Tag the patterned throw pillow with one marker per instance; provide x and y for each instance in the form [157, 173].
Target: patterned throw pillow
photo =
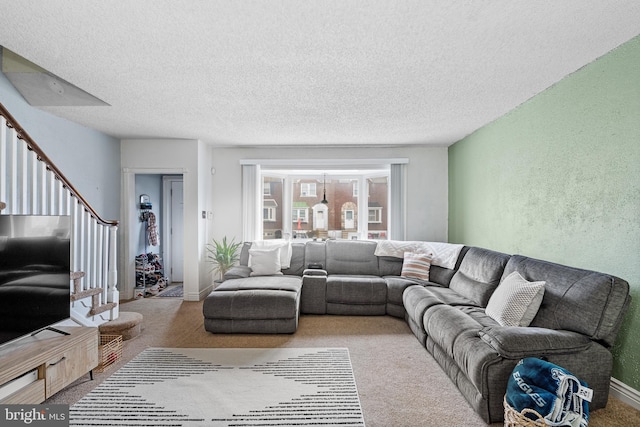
[416, 266]
[516, 301]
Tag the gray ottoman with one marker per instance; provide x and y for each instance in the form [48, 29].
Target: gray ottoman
[254, 305]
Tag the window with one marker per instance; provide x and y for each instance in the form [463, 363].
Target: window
[295, 208]
[308, 189]
[299, 211]
[375, 214]
[269, 210]
[266, 189]
[300, 214]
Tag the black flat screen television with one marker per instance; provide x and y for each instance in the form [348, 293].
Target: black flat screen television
[35, 286]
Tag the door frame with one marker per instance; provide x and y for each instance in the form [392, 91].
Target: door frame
[129, 215]
[350, 226]
[317, 208]
[168, 219]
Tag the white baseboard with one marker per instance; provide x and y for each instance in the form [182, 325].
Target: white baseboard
[623, 392]
[199, 296]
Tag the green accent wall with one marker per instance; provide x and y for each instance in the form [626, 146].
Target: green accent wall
[558, 178]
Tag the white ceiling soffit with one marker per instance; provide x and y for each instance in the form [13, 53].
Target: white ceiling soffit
[41, 88]
[326, 72]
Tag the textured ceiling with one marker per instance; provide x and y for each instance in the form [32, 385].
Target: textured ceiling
[340, 72]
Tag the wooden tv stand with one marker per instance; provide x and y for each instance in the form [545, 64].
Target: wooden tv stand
[58, 359]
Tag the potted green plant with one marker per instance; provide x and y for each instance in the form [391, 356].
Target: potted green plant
[223, 255]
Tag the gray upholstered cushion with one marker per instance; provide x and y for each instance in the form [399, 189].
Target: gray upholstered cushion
[389, 266]
[314, 253]
[360, 290]
[479, 315]
[517, 342]
[479, 274]
[357, 309]
[244, 253]
[313, 299]
[577, 300]
[456, 334]
[416, 300]
[297, 265]
[450, 297]
[251, 326]
[237, 272]
[282, 283]
[351, 257]
[443, 276]
[252, 304]
[396, 286]
[266, 304]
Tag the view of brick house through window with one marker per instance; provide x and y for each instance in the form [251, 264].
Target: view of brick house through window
[291, 205]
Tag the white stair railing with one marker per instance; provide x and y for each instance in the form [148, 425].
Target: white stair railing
[31, 184]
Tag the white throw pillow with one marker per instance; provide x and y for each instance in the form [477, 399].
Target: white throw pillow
[516, 301]
[285, 249]
[264, 262]
[416, 266]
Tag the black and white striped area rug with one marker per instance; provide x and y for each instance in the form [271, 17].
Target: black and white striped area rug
[226, 387]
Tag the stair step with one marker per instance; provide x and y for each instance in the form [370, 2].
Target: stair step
[75, 275]
[102, 308]
[86, 293]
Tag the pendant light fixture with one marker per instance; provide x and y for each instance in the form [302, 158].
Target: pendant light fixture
[324, 200]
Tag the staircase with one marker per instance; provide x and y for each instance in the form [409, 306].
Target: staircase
[30, 184]
[78, 294]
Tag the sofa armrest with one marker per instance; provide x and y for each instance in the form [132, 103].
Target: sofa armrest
[314, 293]
[515, 342]
[314, 272]
[238, 272]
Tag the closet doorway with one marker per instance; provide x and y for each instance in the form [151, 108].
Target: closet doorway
[159, 254]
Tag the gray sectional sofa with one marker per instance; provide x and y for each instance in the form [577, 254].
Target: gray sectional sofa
[575, 326]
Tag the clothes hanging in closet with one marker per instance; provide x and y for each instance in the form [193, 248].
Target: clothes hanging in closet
[152, 230]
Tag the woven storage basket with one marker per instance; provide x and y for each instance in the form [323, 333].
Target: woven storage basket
[109, 351]
[513, 418]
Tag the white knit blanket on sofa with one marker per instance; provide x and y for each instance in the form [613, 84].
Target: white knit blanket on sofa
[443, 254]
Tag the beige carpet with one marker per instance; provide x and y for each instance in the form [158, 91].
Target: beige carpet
[399, 383]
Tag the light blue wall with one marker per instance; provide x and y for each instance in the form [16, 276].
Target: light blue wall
[90, 160]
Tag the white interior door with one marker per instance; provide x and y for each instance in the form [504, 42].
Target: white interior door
[173, 227]
[177, 231]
